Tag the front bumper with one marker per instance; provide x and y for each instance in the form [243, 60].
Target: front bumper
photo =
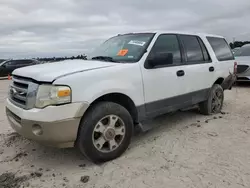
[55, 126]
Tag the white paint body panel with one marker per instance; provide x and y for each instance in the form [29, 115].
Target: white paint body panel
[90, 85]
[243, 60]
[49, 72]
[90, 80]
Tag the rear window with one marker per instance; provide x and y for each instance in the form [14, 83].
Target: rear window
[221, 48]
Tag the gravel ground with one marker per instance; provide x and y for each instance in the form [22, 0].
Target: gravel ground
[185, 150]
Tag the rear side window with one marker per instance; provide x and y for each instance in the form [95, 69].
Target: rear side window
[24, 62]
[27, 62]
[192, 47]
[221, 48]
[10, 63]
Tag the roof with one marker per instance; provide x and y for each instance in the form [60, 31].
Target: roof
[179, 32]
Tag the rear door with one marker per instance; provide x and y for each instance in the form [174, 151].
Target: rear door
[199, 69]
[223, 56]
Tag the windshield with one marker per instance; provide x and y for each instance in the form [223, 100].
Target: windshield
[243, 51]
[124, 48]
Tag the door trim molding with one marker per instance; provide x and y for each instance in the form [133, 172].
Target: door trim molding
[164, 106]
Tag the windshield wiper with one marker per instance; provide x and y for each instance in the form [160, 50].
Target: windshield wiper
[104, 58]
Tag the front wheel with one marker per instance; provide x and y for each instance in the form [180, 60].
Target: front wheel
[105, 132]
[214, 103]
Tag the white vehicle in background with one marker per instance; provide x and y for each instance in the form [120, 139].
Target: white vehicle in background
[242, 57]
[95, 104]
[235, 50]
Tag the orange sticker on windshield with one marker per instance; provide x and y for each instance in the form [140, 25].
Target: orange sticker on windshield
[122, 52]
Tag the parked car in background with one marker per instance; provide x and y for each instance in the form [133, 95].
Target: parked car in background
[2, 60]
[7, 67]
[235, 50]
[242, 57]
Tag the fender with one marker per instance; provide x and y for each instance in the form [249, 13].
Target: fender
[94, 91]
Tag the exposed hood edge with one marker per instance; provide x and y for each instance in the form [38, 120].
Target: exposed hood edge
[61, 76]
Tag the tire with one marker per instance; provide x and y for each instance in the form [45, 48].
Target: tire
[207, 107]
[90, 133]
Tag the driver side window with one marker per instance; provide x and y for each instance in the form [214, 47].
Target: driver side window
[167, 44]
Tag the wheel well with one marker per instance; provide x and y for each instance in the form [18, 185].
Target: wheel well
[121, 99]
[219, 81]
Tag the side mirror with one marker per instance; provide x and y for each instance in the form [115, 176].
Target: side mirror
[160, 59]
[3, 66]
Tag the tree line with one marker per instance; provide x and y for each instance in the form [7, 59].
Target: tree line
[238, 44]
[51, 59]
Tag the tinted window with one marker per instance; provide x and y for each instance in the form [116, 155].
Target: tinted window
[10, 63]
[204, 50]
[168, 44]
[243, 51]
[221, 48]
[192, 48]
[23, 62]
[26, 62]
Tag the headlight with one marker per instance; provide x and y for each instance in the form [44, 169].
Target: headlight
[52, 95]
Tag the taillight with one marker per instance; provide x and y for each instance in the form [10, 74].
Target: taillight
[235, 67]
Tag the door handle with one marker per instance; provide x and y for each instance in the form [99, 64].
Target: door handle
[180, 73]
[211, 69]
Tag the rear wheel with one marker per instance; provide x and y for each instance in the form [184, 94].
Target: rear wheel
[214, 103]
[105, 132]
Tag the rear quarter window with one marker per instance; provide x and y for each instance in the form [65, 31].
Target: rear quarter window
[221, 48]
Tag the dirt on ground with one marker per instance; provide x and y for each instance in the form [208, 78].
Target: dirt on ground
[184, 150]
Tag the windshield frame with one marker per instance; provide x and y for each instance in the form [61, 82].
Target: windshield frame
[128, 60]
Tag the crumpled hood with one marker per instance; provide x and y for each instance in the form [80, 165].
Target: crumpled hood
[49, 72]
[243, 60]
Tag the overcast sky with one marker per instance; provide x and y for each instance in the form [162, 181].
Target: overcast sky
[38, 28]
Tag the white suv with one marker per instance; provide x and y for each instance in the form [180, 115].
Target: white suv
[95, 104]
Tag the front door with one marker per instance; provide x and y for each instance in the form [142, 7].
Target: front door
[164, 85]
[5, 69]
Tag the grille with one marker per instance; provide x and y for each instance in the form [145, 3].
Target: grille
[242, 68]
[22, 92]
